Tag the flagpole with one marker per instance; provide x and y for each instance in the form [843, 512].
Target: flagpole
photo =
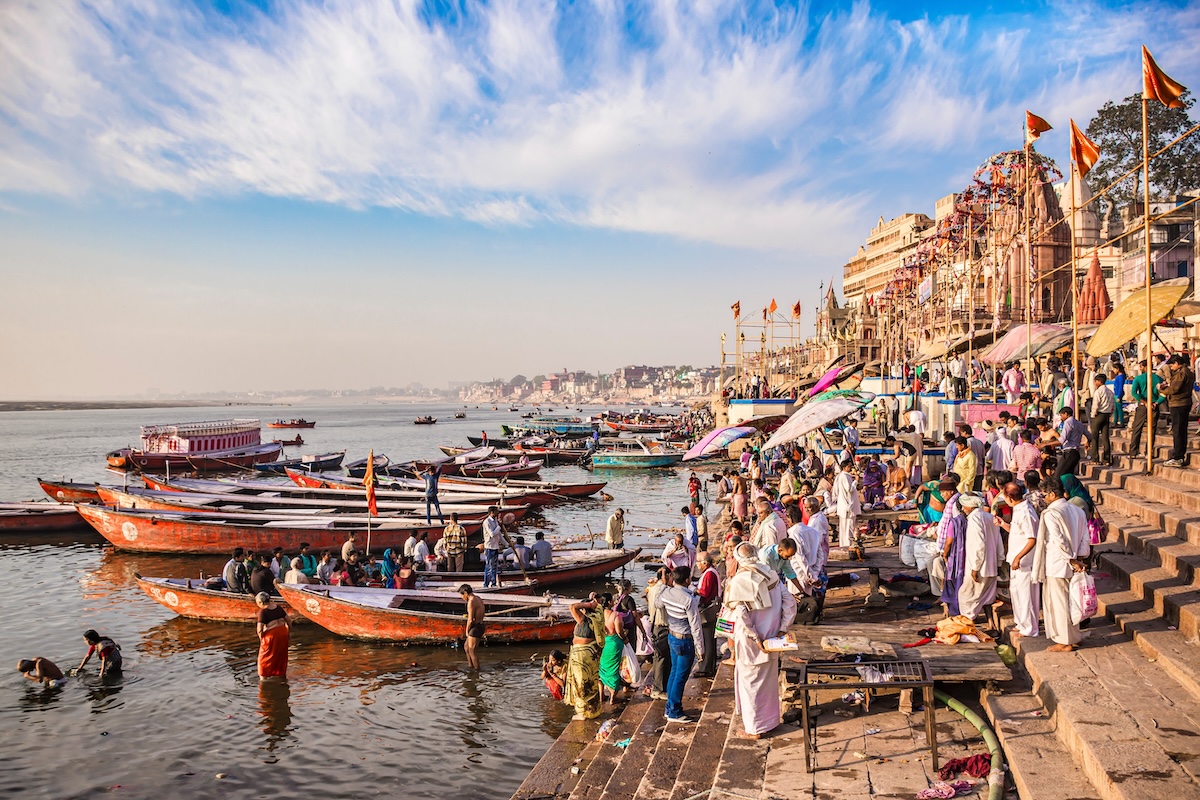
[1027, 268]
[1149, 271]
[1074, 287]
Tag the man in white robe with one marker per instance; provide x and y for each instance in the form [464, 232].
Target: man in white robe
[1023, 591]
[755, 602]
[984, 550]
[771, 529]
[845, 496]
[820, 523]
[1062, 547]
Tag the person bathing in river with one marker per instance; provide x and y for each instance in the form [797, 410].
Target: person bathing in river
[108, 650]
[474, 628]
[41, 670]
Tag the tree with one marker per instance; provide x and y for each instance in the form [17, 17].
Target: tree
[519, 380]
[1117, 130]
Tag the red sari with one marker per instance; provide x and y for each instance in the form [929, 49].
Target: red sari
[273, 646]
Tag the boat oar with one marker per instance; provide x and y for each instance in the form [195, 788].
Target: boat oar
[513, 547]
[591, 537]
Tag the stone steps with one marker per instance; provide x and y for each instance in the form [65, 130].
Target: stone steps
[552, 776]
[1132, 728]
[600, 760]
[704, 754]
[632, 762]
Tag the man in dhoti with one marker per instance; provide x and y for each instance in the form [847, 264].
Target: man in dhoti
[1061, 551]
[754, 602]
[1024, 593]
[771, 529]
[984, 551]
[845, 497]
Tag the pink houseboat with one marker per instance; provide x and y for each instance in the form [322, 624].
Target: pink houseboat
[198, 446]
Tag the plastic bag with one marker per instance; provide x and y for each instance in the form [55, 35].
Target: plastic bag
[631, 670]
[923, 553]
[907, 557]
[1084, 603]
[645, 645]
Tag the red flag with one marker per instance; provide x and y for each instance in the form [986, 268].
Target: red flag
[773, 307]
[737, 309]
[796, 310]
[369, 483]
[1035, 126]
[1084, 151]
[1157, 85]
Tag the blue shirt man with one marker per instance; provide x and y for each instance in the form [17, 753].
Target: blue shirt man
[691, 529]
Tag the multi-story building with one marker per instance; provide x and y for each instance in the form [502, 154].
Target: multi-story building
[884, 251]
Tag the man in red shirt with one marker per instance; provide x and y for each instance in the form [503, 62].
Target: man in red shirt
[709, 590]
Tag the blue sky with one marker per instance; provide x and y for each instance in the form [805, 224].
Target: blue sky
[280, 194]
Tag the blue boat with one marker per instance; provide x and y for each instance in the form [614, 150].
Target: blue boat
[635, 453]
[563, 426]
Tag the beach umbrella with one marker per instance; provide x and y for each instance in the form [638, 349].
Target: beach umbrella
[1128, 319]
[834, 376]
[822, 410]
[718, 440]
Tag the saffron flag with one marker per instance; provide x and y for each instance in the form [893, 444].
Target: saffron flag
[369, 483]
[1084, 151]
[796, 310]
[773, 307]
[1157, 85]
[1035, 126]
[737, 309]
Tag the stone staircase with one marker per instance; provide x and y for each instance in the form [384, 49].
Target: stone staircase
[1126, 706]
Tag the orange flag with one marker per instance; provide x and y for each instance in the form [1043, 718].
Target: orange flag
[796, 310]
[737, 309]
[369, 483]
[1035, 126]
[1157, 85]
[1084, 151]
[773, 307]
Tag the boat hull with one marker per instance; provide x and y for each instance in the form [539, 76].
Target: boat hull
[40, 517]
[635, 461]
[377, 624]
[188, 598]
[69, 492]
[223, 461]
[292, 424]
[554, 575]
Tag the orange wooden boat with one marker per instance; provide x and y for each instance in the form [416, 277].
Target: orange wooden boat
[419, 616]
[188, 597]
[570, 565]
[38, 517]
[406, 487]
[292, 423]
[204, 533]
[69, 491]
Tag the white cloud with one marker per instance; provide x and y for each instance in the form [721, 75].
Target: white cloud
[715, 121]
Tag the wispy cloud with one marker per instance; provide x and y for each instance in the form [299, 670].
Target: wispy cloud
[715, 121]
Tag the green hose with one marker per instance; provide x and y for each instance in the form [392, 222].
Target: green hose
[996, 775]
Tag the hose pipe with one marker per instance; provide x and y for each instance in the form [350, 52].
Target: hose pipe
[996, 774]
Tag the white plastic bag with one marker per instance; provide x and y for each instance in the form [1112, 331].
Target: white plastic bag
[1084, 603]
[631, 670]
[923, 553]
[907, 556]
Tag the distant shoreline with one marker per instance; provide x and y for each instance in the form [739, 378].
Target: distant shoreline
[101, 405]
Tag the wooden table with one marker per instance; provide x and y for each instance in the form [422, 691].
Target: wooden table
[889, 517]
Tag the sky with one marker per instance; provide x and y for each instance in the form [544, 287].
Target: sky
[207, 195]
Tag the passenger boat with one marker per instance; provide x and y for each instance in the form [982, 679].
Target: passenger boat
[38, 517]
[563, 426]
[554, 455]
[154, 500]
[422, 616]
[479, 441]
[460, 415]
[308, 463]
[570, 564]
[458, 482]
[214, 446]
[190, 597]
[292, 423]
[635, 453]
[297, 442]
[425, 421]
[640, 427]
[514, 408]
[70, 491]
[215, 533]
[505, 470]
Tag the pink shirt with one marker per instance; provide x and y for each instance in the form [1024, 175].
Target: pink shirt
[1026, 456]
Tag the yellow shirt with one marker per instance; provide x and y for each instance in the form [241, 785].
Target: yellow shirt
[965, 467]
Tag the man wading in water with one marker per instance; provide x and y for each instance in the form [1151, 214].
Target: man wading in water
[474, 630]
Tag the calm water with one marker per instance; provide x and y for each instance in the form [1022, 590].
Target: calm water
[353, 719]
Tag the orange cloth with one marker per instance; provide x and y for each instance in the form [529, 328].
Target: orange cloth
[951, 629]
[273, 653]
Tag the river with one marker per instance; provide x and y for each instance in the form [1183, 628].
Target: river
[189, 717]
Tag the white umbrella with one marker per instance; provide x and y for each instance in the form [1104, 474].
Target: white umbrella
[817, 413]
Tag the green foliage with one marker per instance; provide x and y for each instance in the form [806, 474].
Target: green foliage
[1117, 130]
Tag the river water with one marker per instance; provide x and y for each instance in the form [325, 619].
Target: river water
[189, 717]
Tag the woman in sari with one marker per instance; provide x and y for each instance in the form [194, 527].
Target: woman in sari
[739, 501]
[387, 569]
[954, 528]
[614, 649]
[273, 634]
[583, 662]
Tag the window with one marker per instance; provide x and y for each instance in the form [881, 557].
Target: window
[1181, 269]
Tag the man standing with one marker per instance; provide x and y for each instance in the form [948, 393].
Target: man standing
[701, 526]
[958, 372]
[1062, 547]
[614, 532]
[984, 551]
[474, 628]
[754, 601]
[1181, 383]
[1137, 391]
[818, 521]
[690, 531]
[709, 590]
[1013, 383]
[770, 529]
[454, 538]
[979, 449]
[685, 637]
[350, 545]
[1100, 421]
[1071, 434]
[308, 562]
[658, 635]
[493, 542]
[1022, 538]
[431, 495]
[845, 496]
[853, 438]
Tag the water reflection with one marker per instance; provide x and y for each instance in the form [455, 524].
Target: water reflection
[274, 706]
[38, 697]
[102, 691]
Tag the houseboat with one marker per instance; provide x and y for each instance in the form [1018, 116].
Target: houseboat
[198, 446]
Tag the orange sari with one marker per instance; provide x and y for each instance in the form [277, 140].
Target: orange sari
[273, 653]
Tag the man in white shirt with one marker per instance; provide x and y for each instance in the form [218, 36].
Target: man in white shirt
[1062, 547]
[1000, 454]
[808, 550]
[853, 437]
[1022, 538]
[984, 550]
[958, 371]
[819, 523]
[493, 543]
[770, 529]
[614, 531]
[845, 495]
[1104, 402]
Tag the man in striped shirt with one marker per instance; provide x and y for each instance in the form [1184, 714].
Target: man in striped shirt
[455, 540]
[1026, 456]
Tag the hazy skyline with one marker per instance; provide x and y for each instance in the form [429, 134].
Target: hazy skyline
[226, 195]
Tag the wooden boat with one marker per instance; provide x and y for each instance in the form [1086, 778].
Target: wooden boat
[296, 442]
[514, 408]
[70, 491]
[428, 617]
[308, 463]
[215, 533]
[502, 470]
[570, 564]
[479, 441]
[291, 423]
[555, 455]
[188, 597]
[561, 489]
[425, 421]
[214, 446]
[636, 453]
[460, 415]
[563, 426]
[450, 465]
[333, 490]
[359, 468]
[640, 427]
[153, 500]
[38, 517]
